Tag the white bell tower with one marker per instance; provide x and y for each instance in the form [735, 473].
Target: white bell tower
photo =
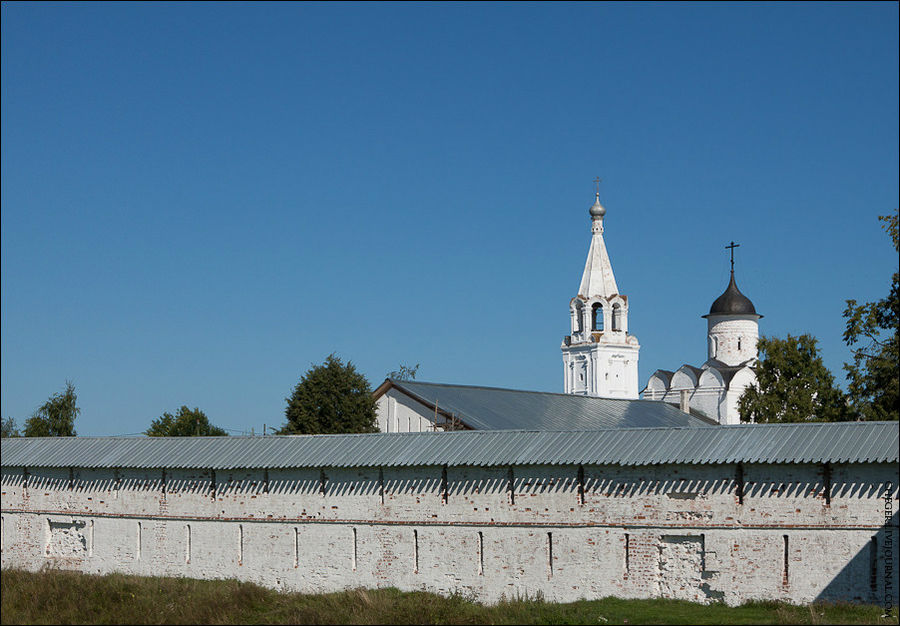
[600, 357]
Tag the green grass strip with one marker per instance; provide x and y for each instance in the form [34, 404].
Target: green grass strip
[61, 597]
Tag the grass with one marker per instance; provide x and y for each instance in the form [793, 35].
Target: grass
[61, 597]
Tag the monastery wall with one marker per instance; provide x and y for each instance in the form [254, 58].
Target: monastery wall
[698, 532]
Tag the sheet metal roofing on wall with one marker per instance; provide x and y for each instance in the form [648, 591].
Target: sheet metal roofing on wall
[492, 408]
[848, 442]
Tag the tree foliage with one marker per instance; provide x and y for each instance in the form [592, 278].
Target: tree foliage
[331, 398]
[793, 385]
[404, 373]
[872, 335]
[56, 417]
[185, 423]
[8, 428]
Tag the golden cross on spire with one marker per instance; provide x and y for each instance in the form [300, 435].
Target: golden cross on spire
[597, 181]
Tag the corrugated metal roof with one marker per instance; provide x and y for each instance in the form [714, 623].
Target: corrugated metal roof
[847, 442]
[491, 408]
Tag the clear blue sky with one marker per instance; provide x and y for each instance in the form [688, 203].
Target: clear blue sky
[199, 201]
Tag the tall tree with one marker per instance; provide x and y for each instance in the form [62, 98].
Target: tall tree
[8, 428]
[331, 398]
[872, 335]
[56, 417]
[793, 385]
[185, 423]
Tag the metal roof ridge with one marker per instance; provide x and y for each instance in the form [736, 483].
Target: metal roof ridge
[400, 383]
[469, 433]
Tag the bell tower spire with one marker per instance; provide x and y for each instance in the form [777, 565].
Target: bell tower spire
[600, 356]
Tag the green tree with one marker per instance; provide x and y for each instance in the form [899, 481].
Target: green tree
[793, 385]
[872, 335]
[404, 373]
[56, 417]
[185, 423]
[8, 428]
[331, 398]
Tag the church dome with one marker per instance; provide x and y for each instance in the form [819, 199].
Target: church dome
[732, 302]
[597, 210]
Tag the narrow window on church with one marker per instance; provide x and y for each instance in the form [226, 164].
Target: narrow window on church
[415, 551]
[353, 562]
[444, 486]
[137, 546]
[91, 538]
[187, 543]
[739, 343]
[597, 316]
[616, 317]
[826, 478]
[873, 565]
[739, 483]
[511, 486]
[212, 484]
[549, 555]
[240, 542]
[480, 553]
[627, 555]
[296, 547]
[784, 572]
[381, 483]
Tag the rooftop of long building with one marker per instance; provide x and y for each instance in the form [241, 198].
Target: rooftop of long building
[839, 442]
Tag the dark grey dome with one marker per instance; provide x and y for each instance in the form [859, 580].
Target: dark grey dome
[732, 302]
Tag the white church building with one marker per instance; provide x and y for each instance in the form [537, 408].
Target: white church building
[715, 387]
[600, 357]
[583, 495]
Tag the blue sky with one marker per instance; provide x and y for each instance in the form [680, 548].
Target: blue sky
[199, 201]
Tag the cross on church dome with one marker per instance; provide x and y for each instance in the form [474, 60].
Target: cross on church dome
[732, 301]
[597, 210]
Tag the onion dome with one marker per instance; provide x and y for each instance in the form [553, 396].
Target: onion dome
[732, 302]
[597, 210]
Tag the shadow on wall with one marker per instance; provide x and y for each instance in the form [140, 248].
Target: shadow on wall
[863, 578]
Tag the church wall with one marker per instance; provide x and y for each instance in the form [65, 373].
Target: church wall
[397, 412]
[733, 338]
[698, 532]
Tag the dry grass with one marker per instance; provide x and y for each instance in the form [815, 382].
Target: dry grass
[59, 597]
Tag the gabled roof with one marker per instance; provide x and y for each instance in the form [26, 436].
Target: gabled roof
[665, 375]
[838, 442]
[492, 408]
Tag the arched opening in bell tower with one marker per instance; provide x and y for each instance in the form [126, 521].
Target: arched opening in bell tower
[597, 316]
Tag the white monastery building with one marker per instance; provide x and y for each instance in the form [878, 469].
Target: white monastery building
[600, 357]
[715, 388]
[414, 406]
[587, 494]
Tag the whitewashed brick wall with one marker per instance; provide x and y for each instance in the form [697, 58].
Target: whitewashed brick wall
[567, 532]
